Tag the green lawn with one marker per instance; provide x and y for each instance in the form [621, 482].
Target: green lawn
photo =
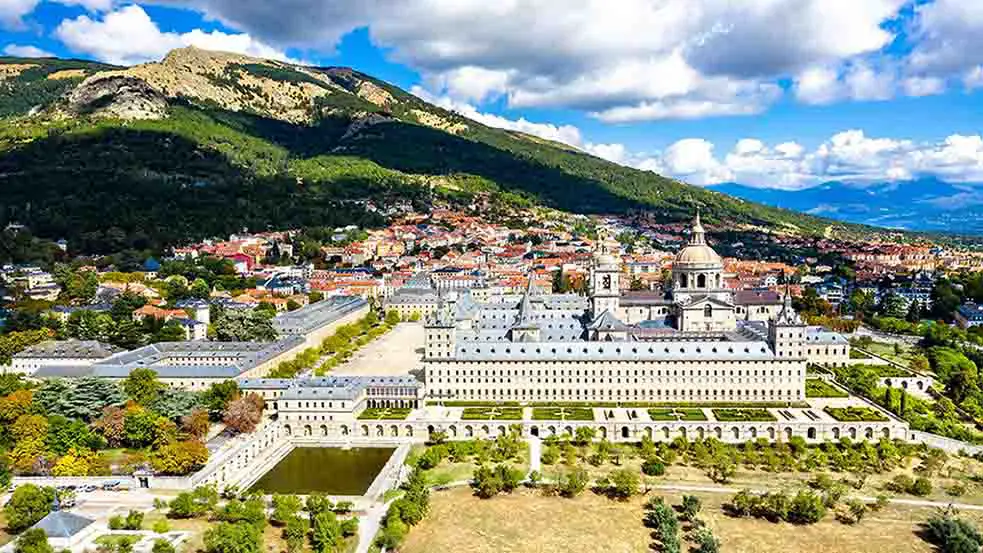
[888, 371]
[855, 414]
[743, 415]
[666, 414]
[562, 413]
[816, 387]
[492, 413]
[374, 413]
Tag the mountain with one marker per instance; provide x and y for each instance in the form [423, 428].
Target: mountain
[206, 143]
[924, 204]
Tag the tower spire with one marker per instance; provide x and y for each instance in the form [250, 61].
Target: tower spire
[697, 234]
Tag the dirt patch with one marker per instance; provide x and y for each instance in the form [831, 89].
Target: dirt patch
[10, 70]
[67, 74]
[527, 522]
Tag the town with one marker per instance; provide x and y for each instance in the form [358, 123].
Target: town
[229, 365]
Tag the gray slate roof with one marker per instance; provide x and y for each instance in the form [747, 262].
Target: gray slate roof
[62, 524]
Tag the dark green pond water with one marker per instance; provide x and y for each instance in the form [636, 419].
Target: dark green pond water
[328, 470]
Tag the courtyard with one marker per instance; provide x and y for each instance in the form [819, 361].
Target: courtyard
[397, 352]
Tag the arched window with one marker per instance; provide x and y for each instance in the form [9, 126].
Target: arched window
[708, 311]
[701, 281]
[684, 281]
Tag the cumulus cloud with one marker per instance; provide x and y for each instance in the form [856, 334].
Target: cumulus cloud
[129, 36]
[622, 61]
[850, 155]
[856, 80]
[25, 51]
[12, 12]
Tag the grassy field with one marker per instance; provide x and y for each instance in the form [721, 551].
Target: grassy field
[816, 387]
[886, 351]
[529, 523]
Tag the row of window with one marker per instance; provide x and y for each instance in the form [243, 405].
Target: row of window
[609, 380]
[658, 394]
[617, 372]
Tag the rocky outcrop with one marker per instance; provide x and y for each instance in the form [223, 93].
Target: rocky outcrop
[117, 96]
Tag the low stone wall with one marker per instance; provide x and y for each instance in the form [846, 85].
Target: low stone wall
[947, 444]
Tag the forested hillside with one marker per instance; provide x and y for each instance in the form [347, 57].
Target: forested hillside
[258, 144]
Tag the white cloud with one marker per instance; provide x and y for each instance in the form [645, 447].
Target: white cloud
[850, 155]
[974, 78]
[128, 36]
[622, 61]
[857, 80]
[923, 86]
[25, 51]
[13, 11]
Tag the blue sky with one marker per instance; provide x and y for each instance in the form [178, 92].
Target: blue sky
[771, 93]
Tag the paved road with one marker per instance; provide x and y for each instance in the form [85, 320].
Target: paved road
[896, 500]
[368, 526]
[535, 451]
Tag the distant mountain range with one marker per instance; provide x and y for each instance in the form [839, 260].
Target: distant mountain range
[924, 204]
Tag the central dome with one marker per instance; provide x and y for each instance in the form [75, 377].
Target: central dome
[697, 254]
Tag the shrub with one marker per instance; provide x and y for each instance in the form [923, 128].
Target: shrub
[161, 527]
[921, 487]
[653, 467]
[116, 522]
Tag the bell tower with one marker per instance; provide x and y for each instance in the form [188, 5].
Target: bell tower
[605, 283]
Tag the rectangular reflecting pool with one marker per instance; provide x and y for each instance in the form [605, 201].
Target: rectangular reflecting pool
[329, 470]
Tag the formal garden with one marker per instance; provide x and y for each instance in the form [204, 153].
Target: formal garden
[855, 414]
[384, 413]
[671, 414]
[817, 387]
[562, 414]
[491, 413]
[743, 415]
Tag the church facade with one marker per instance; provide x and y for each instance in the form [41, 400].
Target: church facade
[697, 342]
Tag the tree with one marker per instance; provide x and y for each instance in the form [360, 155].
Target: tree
[245, 326]
[653, 467]
[112, 425]
[583, 435]
[624, 483]
[76, 462]
[219, 395]
[691, 507]
[33, 540]
[27, 505]
[722, 469]
[857, 510]
[914, 313]
[295, 532]
[245, 413]
[706, 542]
[15, 404]
[573, 482]
[162, 546]
[806, 507]
[325, 532]
[179, 458]
[196, 424]
[285, 508]
[486, 482]
[226, 537]
[142, 386]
